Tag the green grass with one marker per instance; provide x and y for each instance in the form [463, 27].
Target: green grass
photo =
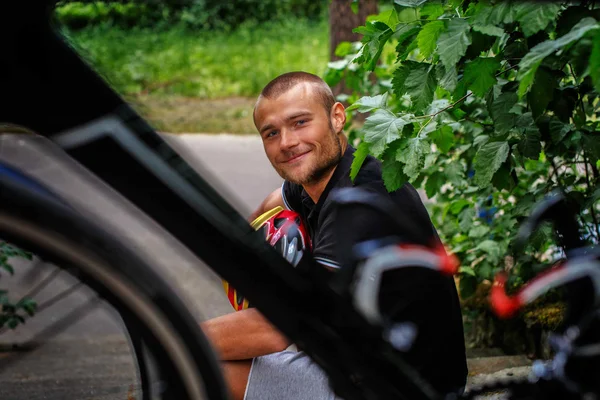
[205, 65]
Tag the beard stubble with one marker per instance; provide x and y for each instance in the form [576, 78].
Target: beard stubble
[330, 158]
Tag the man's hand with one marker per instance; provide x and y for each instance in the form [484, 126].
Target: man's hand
[243, 335]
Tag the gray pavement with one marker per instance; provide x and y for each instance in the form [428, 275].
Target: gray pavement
[91, 359]
[103, 368]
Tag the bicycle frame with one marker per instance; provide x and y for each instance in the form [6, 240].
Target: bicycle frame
[49, 89]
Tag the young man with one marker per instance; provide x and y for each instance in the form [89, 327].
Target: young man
[301, 126]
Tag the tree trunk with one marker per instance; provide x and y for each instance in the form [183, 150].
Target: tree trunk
[341, 23]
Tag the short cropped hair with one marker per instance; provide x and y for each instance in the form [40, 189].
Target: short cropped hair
[285, 82]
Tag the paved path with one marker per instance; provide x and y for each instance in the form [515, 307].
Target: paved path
[238, 163]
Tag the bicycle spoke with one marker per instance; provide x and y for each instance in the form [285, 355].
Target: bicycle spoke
[48, 303]
[43, 283]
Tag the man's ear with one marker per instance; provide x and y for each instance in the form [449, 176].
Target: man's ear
[338, 117]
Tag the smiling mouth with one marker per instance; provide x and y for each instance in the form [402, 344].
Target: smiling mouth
[295, 158]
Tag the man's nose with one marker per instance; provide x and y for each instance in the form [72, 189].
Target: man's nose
[289, 139]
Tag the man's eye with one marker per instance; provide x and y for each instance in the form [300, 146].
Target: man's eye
[271, 134]
[300, 122]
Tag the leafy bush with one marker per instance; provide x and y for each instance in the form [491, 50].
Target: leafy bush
[210, 14]
[77, 15]
[11, 313]
[196, 14]
[487, 106]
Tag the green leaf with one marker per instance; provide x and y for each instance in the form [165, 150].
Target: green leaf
[465, 219]
[409, 3]
[375, 35]
[479, 76]
[447, 77]
[400, 75]
[542, 91]
[407, 42]
[531, 143]
[591, 144]
[541, 235]
[595, 61]
[430, 160]
[343, 49]
[453, 43]
[523, 206]
[489, 30]
[434, 182]
[402, 55]
[504, 120]
[487, 161]
[535, 16]
[13, 322]
[360, 155]
[443, 138]
[413, 156]
[8, 268]
[458, 205]
[420, 85]
[488, 15]
[29, 305]
[558, 129]
[417, 80]
[367, 103]
[492, 249]
[593, 198]
[428, 37]
[382, 128]
[503, 12]
[436, 106]
[485, 270]
[432, 10]
[532, 60]
[480, 12]
[393, 177]
[454, 172]
[389, 17]
[478, 231]
[516, 49]
[480, 140]
[502, 179]
[354, 6]
[467, 271]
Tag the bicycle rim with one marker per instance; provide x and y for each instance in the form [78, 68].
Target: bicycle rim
[164, 337]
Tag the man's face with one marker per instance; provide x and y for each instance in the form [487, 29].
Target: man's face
[298, 135]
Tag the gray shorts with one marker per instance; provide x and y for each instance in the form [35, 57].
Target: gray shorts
[287, 375]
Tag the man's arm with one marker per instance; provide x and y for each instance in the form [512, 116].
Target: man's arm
[271, 201]
[243, 335]
[247, 334]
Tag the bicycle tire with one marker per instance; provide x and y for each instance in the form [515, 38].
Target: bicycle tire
[43, 224]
